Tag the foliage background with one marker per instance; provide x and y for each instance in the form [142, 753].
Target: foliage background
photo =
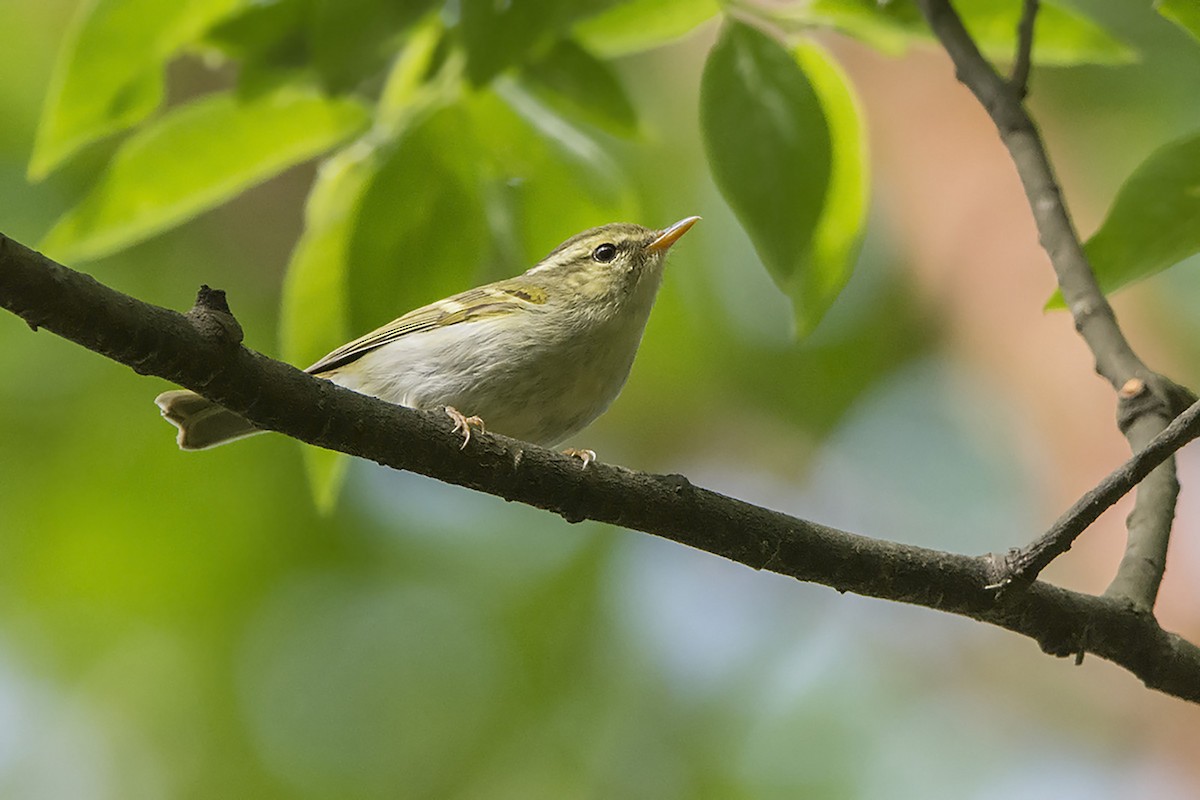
[191, 626]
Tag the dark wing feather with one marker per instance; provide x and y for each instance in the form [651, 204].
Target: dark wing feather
[497, 299]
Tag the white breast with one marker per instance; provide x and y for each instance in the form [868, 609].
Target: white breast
[527, 379]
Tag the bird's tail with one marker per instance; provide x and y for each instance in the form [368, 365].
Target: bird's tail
[202, 423]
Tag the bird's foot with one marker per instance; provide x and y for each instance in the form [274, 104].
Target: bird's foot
[586, 456]
[463, 423]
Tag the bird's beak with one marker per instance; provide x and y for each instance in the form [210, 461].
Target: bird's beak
[668, 236]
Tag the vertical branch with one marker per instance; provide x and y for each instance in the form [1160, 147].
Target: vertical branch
[1094, 317]
[1147, 408]
[1149, 525]
[1148, 456]
[1019, 79]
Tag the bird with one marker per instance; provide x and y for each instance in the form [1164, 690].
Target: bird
[536, 357]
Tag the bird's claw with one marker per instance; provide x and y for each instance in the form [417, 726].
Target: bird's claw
[463, 423]
[586, 456]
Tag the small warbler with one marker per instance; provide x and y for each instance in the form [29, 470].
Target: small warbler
[538, 356]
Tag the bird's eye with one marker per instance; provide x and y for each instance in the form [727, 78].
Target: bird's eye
[605, 253]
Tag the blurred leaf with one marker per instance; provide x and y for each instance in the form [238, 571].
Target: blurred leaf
[326, 470]
[888, 27]
[345, 42]
[410, 87]
[1154, 221]
[420, 232]
[602, 178]
[498, 35]
[264, 38]
[108, 74]
[555, 618]
[1064, 36]
[839, 231]
[401, 679]
[353, 39]
[638, 25]
[313, 316]
[475, 207]
[1184, 13]
[879, 327]
[196, 157]
[315, 312]
[580, 86]
[313, 309]
[769, 151]
[549, 180]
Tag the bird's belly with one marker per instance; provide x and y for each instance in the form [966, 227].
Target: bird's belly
[526, 388]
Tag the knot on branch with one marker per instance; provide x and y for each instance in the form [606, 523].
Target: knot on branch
[1154, 394]
[210, 315]
[1007, 573]
[1010, 574]
[1007, 112]
[679, 485]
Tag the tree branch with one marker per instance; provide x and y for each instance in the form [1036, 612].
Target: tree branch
[201, 350]
[1142, 417]
[1149, 523]
[1019, 79]
[1023, 565]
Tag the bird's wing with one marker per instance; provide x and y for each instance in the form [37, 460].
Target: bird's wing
[493, 300]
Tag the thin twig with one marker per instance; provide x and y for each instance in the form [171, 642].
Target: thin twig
[1094, 317]
[1024, 565]
[1115, 360]
[279, 397]
[1149, 525]
[1019, 79]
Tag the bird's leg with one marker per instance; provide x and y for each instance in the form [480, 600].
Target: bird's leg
[463, 423]
[586, 456]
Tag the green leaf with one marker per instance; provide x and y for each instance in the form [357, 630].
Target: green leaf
[890, 28]
[343, 42]
[498, 35]
[424, 76]
[1184, 13]
[543, 179]
[1064, 36]
[326, 470]
[262, 31]
[196, 157]
[313, 318]
[435, 245]
[353, 39]
[838, 234]
[108, 75]
[314, 310]
[770, 153]
[639, 25]
[526, 136]
[580, 86]
[1154, 221]
[315, 313]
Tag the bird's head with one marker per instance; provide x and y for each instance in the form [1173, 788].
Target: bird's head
[610, 258]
